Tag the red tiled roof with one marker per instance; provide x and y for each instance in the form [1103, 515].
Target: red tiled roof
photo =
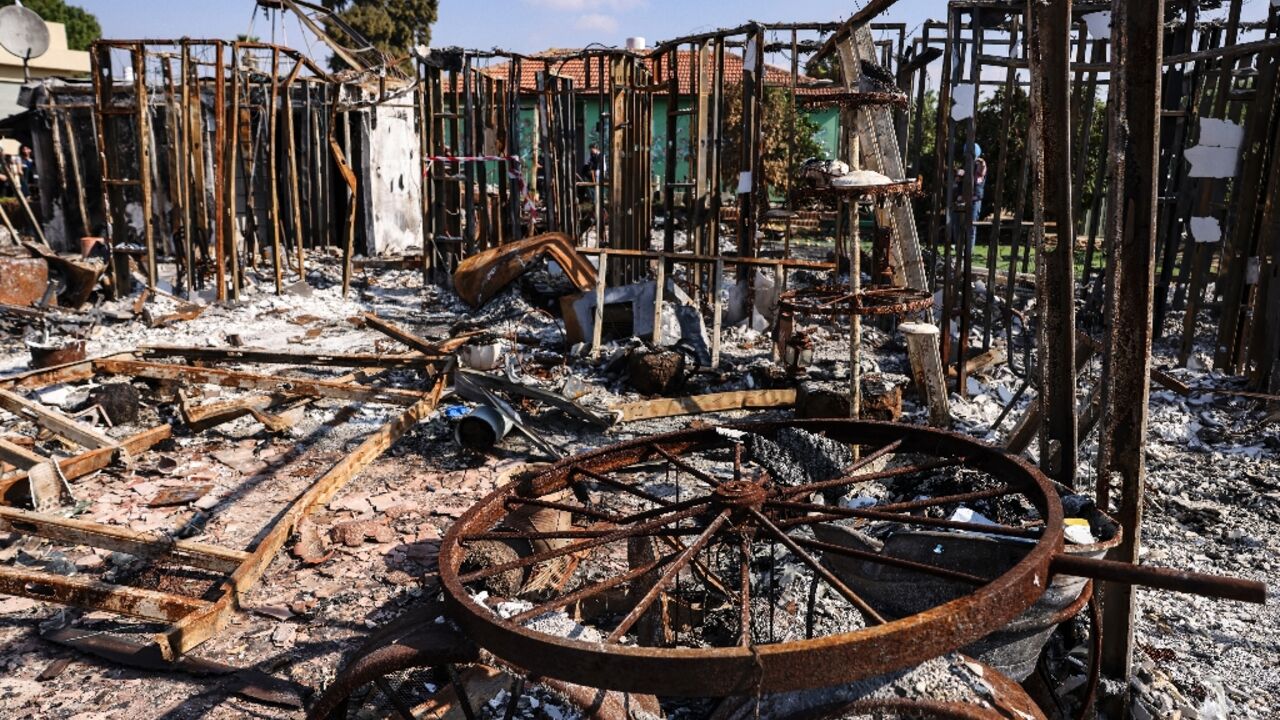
[576, 69]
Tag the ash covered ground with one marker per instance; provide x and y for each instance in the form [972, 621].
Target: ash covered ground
[1213, 506]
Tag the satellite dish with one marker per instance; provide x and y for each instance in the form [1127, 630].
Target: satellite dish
[23, 32]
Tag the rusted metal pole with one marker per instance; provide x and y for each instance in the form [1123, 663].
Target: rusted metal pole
[1136, 41]
[750, 178]
[964, 285]
[1049, 57]
[273, 167]
[219, 197]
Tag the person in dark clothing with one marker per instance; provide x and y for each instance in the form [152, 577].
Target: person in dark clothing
[979, 191]
[28, 171]
[593, 168]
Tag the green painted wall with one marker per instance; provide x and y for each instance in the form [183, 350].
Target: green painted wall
[827, 120]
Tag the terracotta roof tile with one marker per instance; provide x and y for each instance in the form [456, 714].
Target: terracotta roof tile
[576, 69]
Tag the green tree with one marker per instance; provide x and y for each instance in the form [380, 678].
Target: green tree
[392, 26]
[82, 26]
[783, 124]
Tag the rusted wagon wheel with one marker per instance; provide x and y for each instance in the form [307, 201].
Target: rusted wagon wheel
[704, 558]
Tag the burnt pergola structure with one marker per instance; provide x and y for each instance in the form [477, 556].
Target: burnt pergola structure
[225, 156]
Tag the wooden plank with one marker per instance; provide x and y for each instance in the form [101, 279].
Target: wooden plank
[94, 595]
[992, 356]
[926, 369]
[121, 539]
[284, 357]
[253, 381]
[56, 422]
[711, 402]
[597, 327]
[194, 629]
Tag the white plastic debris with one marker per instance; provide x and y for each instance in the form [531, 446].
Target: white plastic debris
[969, 515]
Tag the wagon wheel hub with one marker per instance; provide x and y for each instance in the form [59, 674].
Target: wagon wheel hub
[741, 494]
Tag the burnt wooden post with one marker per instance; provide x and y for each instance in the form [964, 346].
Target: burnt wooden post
[1049, 55]
[1134, 151]
[750, 179]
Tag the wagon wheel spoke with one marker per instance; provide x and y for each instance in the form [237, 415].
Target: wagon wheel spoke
[665, 509]
[668, 576]
[517, 690]
[829, 511]
[464, 701]
[566, 507]
[612, 536]
[988, 494]
[401, 708]
[850, 479]
[617, 484]
[591, 590]
[681, 464]
[891, 561]
[854, 599]
[703, 571]
[744, 598]
[576, 534]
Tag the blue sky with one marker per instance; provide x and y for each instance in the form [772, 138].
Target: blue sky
[520, 25]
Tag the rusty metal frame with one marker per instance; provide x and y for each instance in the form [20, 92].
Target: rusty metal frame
[192, 620]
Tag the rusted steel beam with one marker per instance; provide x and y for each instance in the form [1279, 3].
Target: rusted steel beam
[94, 595]
[68, 372]
[1130, 574]
[863, 16]
[1137, 38]
[143, 126]
[56, 422]
[221, 231]
[1049, 54]
[253, 381]
[1226, 51]
[285, 357]
[121, 539]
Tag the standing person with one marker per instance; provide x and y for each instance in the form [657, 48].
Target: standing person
[593, 168]
[593, 172]
[29, 177]
[979, 192]
[975, 201]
